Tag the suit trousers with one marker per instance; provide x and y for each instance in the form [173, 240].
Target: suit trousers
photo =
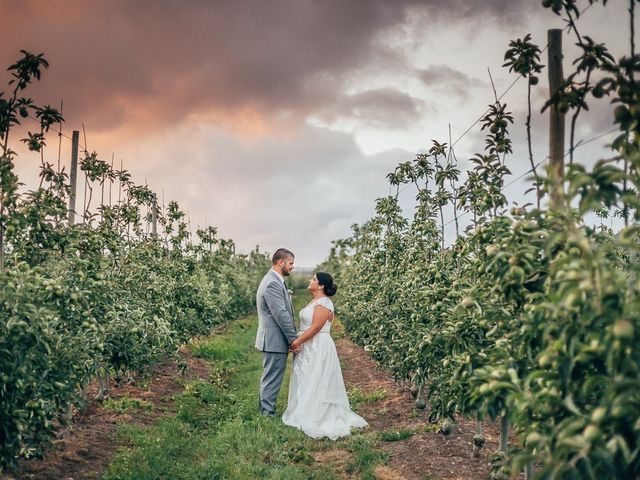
[274, 365]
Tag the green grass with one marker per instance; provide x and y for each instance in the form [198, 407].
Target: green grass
[337, 329]
[358, 397]
[365, 455]
[396, 435]
[126, 403]
[216, 348]
[217, 432]
[143, 383]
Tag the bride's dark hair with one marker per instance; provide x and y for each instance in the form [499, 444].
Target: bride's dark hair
[326, 281]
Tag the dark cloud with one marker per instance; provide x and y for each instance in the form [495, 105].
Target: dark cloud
[150, 63]
[110, 60]
[384, 108]
[513, 11]
[443, 77]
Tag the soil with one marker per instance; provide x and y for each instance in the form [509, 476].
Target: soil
[426, 454]
[84, 449]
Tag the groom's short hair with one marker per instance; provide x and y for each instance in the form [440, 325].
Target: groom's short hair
[282, 254]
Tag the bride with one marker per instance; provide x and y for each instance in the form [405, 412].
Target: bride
[318, 403]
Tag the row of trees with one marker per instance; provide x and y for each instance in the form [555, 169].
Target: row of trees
[531, 316]
[100, 297]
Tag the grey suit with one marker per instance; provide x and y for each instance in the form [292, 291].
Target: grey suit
[275, 334]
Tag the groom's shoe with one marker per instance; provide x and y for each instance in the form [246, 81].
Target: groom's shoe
[264, 412]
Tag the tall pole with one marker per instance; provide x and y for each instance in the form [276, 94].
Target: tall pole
[73, 177]
[154, 215]
[555, 170]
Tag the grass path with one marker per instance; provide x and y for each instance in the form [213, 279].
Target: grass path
[198, 419]
[217, 433]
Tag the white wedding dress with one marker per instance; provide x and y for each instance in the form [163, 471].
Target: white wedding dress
[318, 403]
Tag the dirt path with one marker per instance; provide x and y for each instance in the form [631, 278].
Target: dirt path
[84, 449]
[426, 454]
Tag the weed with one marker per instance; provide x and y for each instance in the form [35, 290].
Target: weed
[126, 403]
[365, 455]
[396, 435]
[358, 397]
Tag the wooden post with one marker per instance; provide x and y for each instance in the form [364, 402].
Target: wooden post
[111, 181]
[154, 215]
[504, 432]
[555, 169]
[73, 176]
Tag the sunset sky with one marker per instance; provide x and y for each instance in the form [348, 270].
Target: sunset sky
[277, 120]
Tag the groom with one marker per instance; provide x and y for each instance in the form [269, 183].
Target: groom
[275, 328]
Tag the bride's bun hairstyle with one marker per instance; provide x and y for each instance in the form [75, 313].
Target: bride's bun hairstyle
[326, 281]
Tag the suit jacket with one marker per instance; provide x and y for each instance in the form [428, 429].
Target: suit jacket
[275, 315]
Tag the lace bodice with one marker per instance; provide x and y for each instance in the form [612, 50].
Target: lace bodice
[306, 314]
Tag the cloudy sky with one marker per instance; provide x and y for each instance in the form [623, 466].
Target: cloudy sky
[277, 120]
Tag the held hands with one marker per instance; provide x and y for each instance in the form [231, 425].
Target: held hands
[294, 347]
